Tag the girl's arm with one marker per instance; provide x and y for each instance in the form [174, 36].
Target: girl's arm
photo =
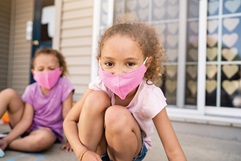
[67, 104]
[22, 126]
[70, 126]
[168, 137]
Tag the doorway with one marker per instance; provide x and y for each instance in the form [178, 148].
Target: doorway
[43, 26]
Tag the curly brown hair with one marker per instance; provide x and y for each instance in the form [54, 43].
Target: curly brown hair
[146, 37]
[57, 54]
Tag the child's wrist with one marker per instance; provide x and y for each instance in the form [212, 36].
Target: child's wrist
[82, 155]
[6, 140]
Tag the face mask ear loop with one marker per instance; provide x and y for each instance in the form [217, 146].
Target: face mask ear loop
[145, 60]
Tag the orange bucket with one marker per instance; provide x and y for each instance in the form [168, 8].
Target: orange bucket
[5, 118]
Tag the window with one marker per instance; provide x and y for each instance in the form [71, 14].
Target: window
[210, 80]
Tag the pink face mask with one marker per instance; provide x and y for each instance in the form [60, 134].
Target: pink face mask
[47, 79]
[123, 84]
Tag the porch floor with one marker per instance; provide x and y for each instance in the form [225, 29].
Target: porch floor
[200, 142]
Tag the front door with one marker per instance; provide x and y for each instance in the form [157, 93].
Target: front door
[43, 26]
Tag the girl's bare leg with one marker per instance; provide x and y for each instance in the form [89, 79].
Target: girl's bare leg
[10, 101]
[91, 121]
[38, 140]
[122, 134]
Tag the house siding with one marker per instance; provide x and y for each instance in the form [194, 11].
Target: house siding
[75, 41]
[20, 53]
[5, 14]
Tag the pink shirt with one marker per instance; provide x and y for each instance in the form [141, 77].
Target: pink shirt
[146, 104]
[48, 109]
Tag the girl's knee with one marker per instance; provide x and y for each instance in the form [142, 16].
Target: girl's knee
[116, 117]
[11, 93]
[97, 101]
[43, 139]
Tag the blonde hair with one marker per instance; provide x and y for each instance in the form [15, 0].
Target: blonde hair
[147, 39]
[57, 54]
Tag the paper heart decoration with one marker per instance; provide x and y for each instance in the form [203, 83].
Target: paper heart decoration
[172, 54]
[229, 54]
[172, 40]
[230, 86]
[211, 71]
[131, 5]
[230, 70]
[172, 11]
[171, 86]
[213, 6]
[172, 27]
[211, 85]
[230, 39]
[192, 71]
[212, 25]
[192, 86]
[172, 1]
[230, 23]
[118, 7]
[194, 1]
[160, 27]
[232, 5]
[212, 53]
[162, 38]
[194, 27]
[143, 3]
[212, 40]
[159, 12]
[159, 3]
[193, 10]
[193, 53]
[171, 71]
[194, 41]
[143, 14]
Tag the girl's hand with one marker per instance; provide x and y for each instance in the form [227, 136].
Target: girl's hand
[90, 156]
[3, 144]
[66, 147]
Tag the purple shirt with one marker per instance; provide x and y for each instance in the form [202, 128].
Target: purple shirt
[48, 109]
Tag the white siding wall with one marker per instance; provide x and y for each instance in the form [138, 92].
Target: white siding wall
[74, 40]
[5, 10]
[20, 52]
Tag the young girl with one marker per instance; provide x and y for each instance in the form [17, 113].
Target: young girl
[115, 116]
[36, 118]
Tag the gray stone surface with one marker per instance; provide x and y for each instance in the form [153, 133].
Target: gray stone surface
[200, 143]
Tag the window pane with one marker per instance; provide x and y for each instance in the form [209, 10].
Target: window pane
[104, 13]
[231, 7]
[192, 54]
[191, 85]
[170, 86]
[47, 20]
[211, 84]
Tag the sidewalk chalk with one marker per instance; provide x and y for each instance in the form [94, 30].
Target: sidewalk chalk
[1, 153]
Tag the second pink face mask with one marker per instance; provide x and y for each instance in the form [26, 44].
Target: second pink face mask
[47, 79]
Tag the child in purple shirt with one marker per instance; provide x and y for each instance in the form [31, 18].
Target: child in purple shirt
[36, 118]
